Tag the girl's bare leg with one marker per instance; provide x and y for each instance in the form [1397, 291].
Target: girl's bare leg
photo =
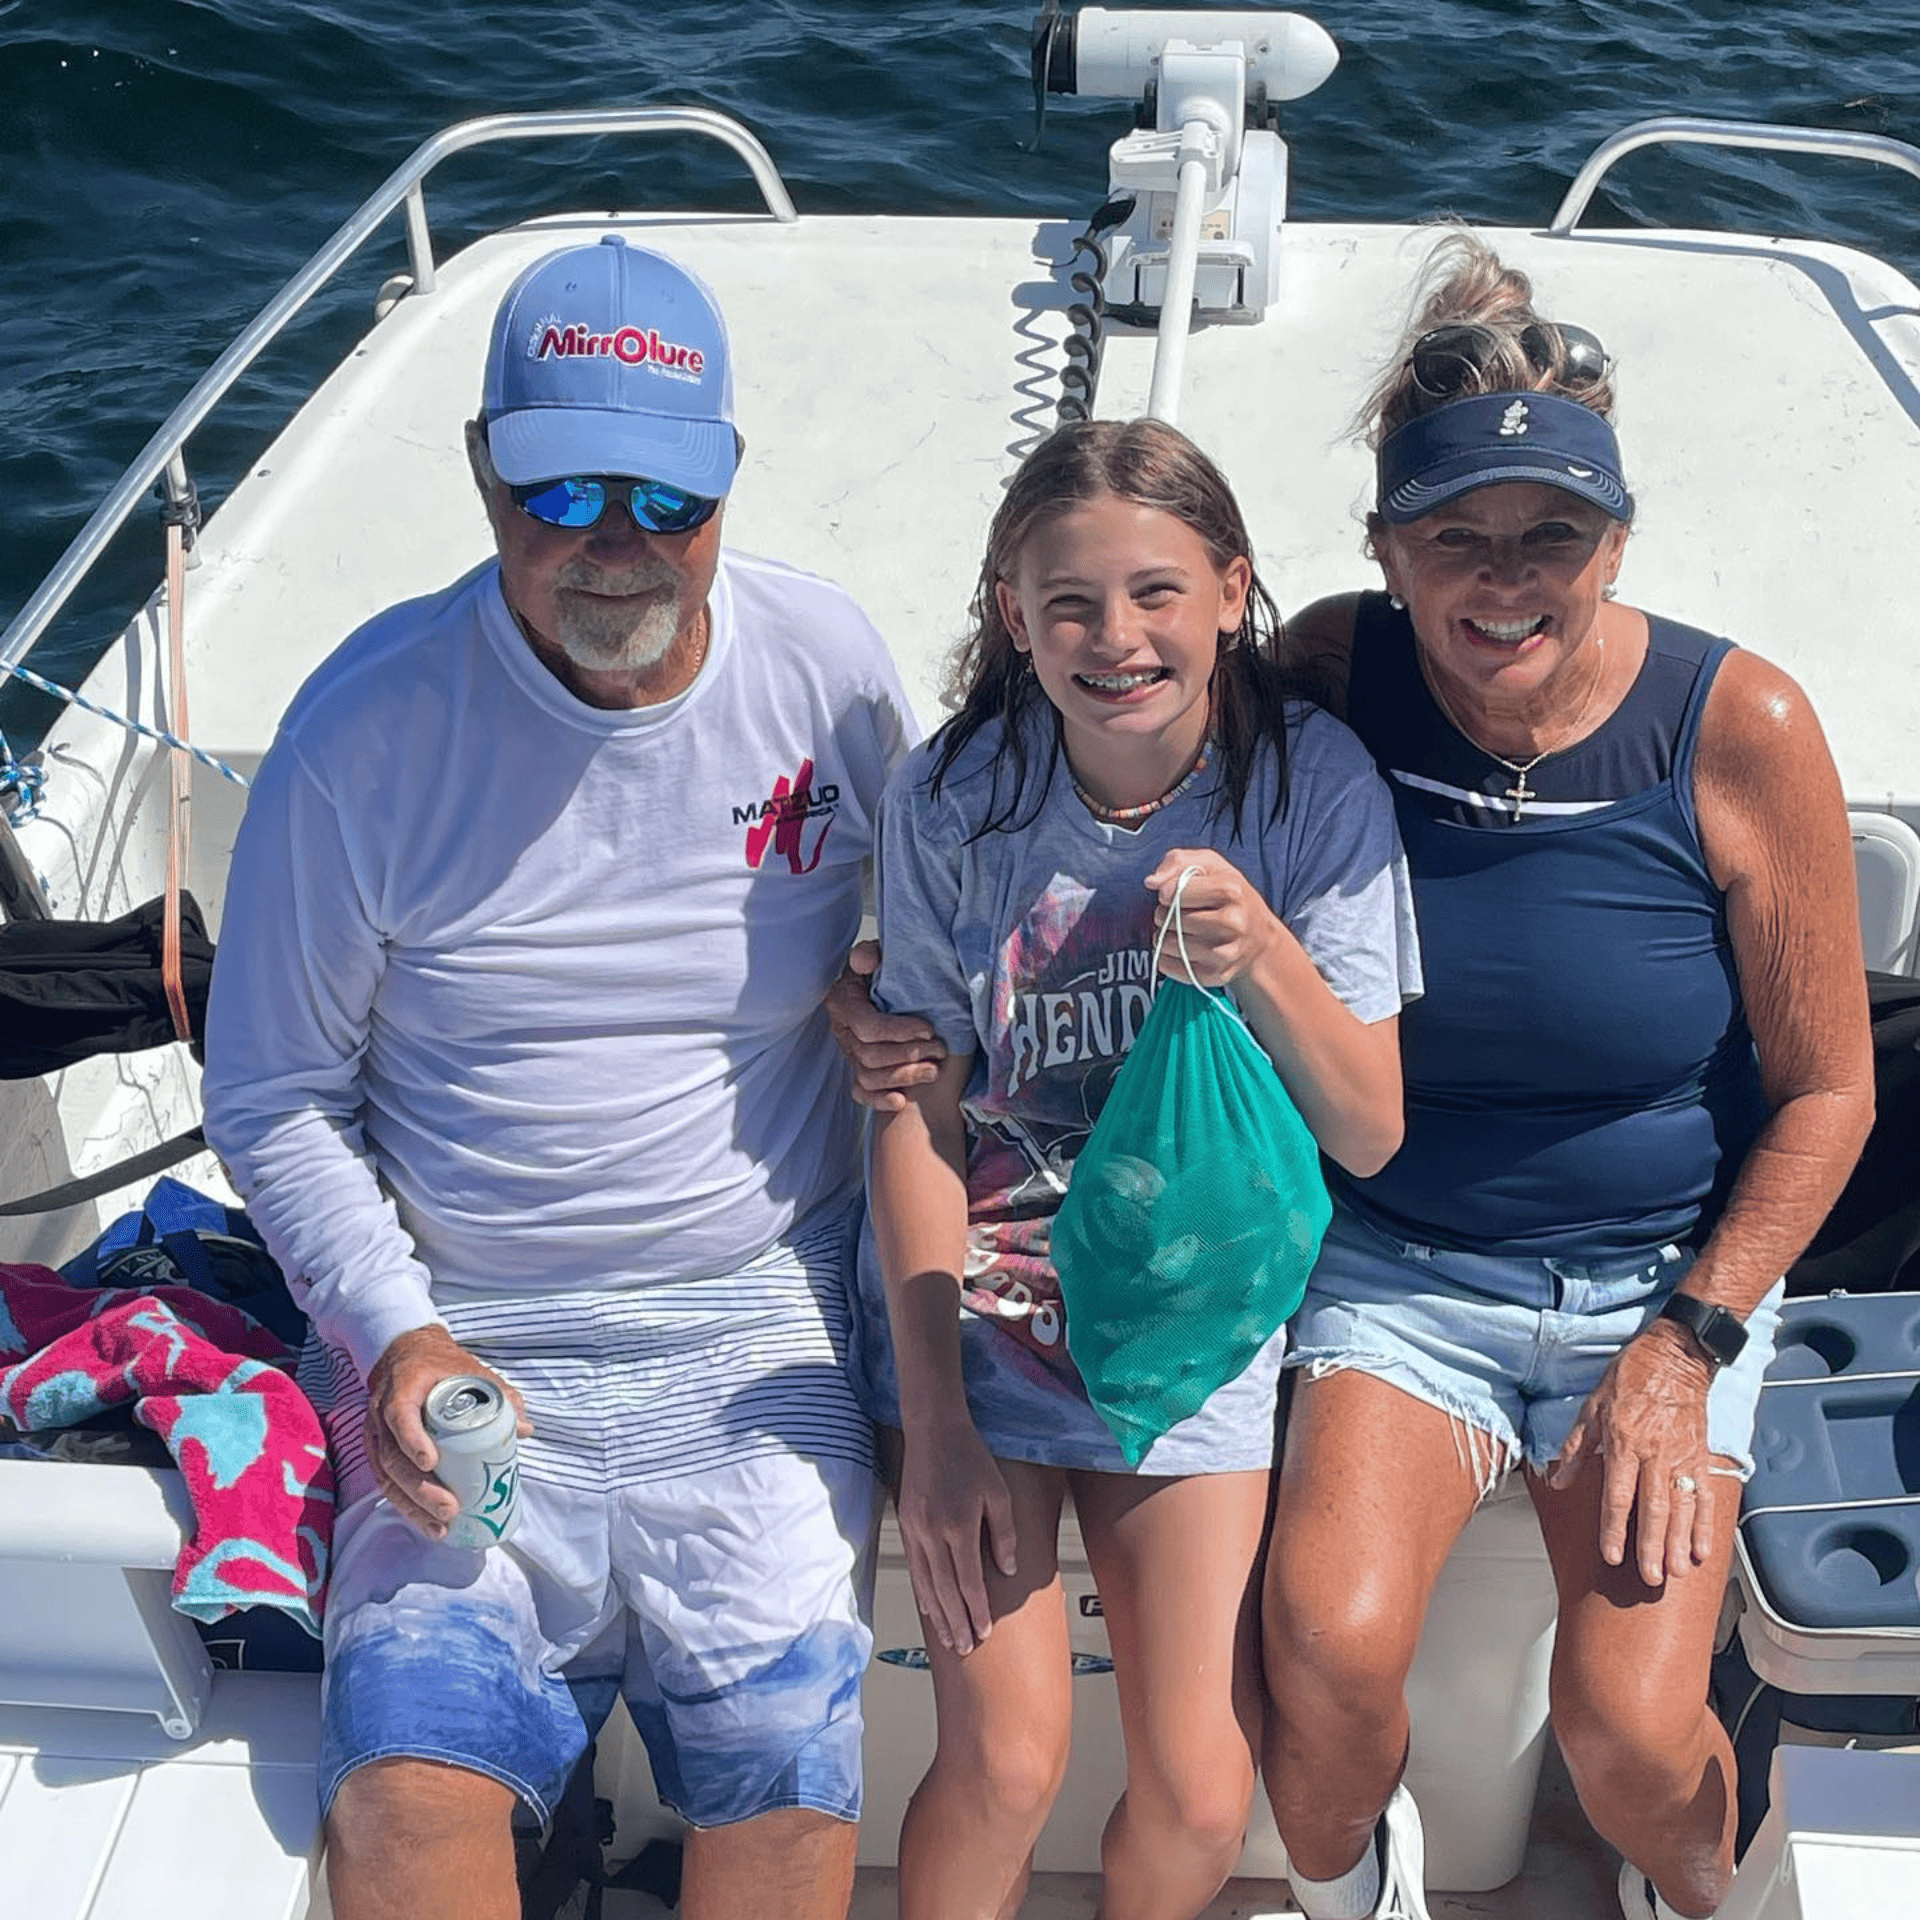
[1004, 1725]
[1175, 1562]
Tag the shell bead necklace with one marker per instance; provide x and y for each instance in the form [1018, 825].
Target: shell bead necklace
[1132, 816]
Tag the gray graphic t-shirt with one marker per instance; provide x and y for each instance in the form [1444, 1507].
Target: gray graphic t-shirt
[1032, 950]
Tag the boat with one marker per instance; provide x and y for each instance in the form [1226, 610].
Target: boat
[893, 369]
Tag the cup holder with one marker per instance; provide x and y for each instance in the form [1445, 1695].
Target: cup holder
[1860, 1559]
[1812, 1350]
[1846, 1335]
[1839, 1569]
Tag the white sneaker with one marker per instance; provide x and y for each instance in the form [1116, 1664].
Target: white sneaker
[1403, 1861]
[1636, 1893]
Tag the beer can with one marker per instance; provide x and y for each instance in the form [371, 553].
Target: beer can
[473, 1424]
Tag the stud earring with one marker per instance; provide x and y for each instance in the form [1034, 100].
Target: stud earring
[1609, 591]
[1396, 603]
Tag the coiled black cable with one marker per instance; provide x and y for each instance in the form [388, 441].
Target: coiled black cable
[1080, 377]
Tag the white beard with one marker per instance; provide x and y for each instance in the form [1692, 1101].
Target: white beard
[601, 634]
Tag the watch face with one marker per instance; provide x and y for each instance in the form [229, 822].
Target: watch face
[1719, 1332]
[1723, 1336]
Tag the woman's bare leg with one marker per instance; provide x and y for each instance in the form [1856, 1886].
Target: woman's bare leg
[1175, 1562]
[1372, 1493]
[1004, 1725]
[1652, 1765]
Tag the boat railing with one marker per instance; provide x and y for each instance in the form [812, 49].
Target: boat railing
[1685, 131]
[162, 459]
[163, 456]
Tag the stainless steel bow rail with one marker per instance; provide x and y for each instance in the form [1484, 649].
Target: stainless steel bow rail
[163, 455]
[1682, 131]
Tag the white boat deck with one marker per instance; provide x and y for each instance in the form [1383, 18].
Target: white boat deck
[884, 403]
[103, 1817]
[891, 372]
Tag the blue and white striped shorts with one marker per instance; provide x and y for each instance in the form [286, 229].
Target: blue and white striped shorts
[698, 1503]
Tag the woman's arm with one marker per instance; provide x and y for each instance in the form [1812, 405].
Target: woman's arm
[950, 1489]
[1774, 830]
[1773, 826]
[1317, 651]
[1343, 1073]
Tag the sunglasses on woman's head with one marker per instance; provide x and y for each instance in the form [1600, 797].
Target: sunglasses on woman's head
[1451, 361]
[577, 504]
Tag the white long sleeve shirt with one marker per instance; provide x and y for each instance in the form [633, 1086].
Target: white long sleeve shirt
[518, 996]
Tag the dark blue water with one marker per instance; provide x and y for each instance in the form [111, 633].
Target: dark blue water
[166, 164]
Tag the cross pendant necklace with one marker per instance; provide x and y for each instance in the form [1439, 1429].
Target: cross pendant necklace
[1520, 793]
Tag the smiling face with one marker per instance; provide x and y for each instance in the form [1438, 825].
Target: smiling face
[1504, 585]
[1121, 608]
[610, 609]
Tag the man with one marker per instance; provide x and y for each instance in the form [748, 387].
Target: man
[516, 1052]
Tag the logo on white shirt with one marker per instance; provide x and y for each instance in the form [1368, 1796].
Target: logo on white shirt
[786, 820]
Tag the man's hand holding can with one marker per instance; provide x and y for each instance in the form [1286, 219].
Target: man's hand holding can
[403, 1453]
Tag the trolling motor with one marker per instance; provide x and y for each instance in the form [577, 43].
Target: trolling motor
[1204, 168]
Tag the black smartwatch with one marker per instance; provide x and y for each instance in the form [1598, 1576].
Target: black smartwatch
[1716, 1330]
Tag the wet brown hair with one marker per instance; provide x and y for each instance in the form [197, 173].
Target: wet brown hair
[1152, 465]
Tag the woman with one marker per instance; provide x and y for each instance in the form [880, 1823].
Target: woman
[1637, 1080]
[1122, 741]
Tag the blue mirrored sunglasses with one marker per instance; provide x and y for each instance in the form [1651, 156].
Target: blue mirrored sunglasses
[577, 504]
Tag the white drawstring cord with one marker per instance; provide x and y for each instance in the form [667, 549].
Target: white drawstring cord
[1173, 924]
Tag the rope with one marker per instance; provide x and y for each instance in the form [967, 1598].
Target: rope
[21, 785]
[180, 772]
[1175, 925]
[146, 732]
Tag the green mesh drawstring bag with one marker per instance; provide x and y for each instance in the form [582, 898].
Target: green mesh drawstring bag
[1193, 1217]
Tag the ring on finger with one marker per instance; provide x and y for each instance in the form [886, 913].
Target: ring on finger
[1685, 1483]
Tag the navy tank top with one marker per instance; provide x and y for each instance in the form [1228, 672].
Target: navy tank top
[1580, 1079]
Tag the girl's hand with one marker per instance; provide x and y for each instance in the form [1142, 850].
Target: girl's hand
[1227, 925]
[953, 1501]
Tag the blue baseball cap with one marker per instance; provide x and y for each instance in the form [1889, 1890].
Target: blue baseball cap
[1480, 441]
[610, 359]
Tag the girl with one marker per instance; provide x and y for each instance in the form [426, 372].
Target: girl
[1120, 721]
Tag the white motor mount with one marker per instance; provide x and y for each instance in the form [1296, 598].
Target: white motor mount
[1209, 179]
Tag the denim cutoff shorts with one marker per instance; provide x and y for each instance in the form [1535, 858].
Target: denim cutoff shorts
[1509, 1346]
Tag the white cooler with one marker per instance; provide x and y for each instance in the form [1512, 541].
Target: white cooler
[1478, 1698]
[1841, 1840]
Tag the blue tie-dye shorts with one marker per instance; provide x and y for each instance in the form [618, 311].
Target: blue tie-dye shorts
[724, 1607]
[698, 1505]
